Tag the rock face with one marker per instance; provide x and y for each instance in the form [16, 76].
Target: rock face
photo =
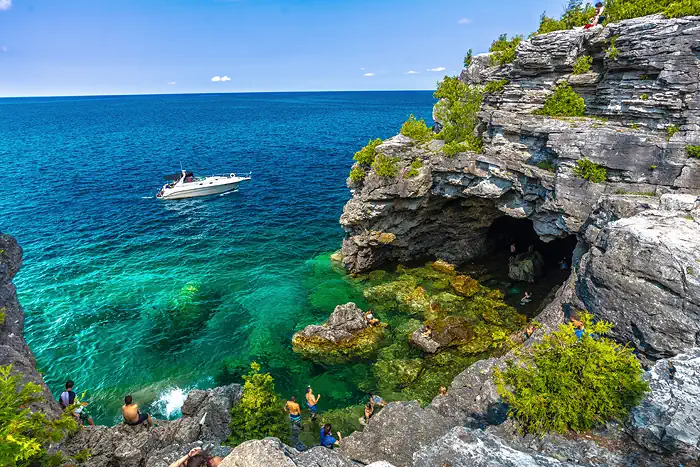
[668, 421]
[643, 274]
[13, 348]
[526, 267]
[347, 334]
[205, 420]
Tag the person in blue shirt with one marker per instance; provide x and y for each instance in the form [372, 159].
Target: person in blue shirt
[327, 439]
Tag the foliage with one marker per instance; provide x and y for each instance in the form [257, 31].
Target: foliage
[468, 59]
[495, 86]
[617, 10]
[23, 433]
[357, 174]
[589, 170]
[414, 167]
[612, 51]
[693, 151]
[416, 129]
[546, 165]
[385, 166]
[365, 156]
[671, 130]
[652, 167]
[576, 14]
[458, 110]
[450, 149]
[259, 413]
[583, 64]
[644, 96]
[82, 456]
[565, 383]
[2, 315]
[503, 50]
[563, 103]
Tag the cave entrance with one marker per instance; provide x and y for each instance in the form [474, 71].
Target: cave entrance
[493, 269]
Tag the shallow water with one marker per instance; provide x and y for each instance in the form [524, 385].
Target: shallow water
[125, 293]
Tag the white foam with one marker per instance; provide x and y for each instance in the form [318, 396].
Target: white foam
[170, 402]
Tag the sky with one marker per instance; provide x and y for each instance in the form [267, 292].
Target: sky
[93, 47]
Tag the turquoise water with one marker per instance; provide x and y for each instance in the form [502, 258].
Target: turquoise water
[125, 293]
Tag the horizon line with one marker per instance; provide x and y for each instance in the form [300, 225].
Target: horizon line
[43, 96]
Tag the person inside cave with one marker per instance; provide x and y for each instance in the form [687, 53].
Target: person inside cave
[527, 298]
[427, 332]
[197, 458]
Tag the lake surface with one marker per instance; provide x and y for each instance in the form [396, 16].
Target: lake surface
[124, 293]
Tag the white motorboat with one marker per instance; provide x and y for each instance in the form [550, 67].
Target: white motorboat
[186, 185]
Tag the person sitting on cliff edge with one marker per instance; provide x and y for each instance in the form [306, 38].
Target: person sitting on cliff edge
[427, 332]
[196, 458]
[598, 18]
[327, 439]
[68, 398]
[132, 415]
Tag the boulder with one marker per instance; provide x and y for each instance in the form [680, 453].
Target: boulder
[526, 267]
[271, 452]
[346, 335]
[668, 421]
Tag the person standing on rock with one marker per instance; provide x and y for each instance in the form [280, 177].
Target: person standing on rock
[132, 415]
[294, 410]
[311, 402]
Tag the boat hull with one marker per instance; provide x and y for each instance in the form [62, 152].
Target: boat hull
[198, 191]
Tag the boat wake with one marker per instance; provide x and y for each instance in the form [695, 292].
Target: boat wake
[147, 197]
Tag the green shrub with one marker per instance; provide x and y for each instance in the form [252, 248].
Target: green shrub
[576, 14]
[365, 156]
[258, 414]
[693, 151]
[450, 149]
[82, 456]
[468, 59]
[583, 65]
[612, 51]
[652, 167]
[644, 77]
[563, 103]
[634, 126]
[671, 130]
[503, 50]
[414, 167]
[617, 10]
[357, 174]
[2, 315]
[644, 96]
[495, 86]
[458, 110]
[416, 129]
[385, 166]
[589, 170]
[564, 383]
[546, 165]
[25, 434]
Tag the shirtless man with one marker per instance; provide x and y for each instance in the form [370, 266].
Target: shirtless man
[311, 401]
[294, 410]
[132, 415]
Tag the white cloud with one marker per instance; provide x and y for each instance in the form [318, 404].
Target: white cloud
[172, 83]
[411, 72]
[362, 68]
[440, 68]
[216, 79]
[225, 78]
[5, 4]
[369, 74]
[464, 21]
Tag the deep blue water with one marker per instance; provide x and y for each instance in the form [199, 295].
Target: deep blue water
[125, 293]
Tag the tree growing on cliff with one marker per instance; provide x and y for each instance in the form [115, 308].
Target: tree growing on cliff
[563, 103]
[416, 129]
[576, 14]
[458, 111]
[24, 433]
[259, 413]
[569, 383]
[617, 10]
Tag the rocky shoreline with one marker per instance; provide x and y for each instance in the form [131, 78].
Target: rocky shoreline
[636, 263]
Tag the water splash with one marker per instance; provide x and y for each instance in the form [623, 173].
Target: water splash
[169, 403]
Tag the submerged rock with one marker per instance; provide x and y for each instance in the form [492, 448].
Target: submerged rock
[346, 335]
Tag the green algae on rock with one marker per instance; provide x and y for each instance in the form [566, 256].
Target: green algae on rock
[347, 335]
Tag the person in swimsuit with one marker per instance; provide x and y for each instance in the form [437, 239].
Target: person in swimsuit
[132, 415]
[371, 320]
[294, 410]
[68, 398]
[311, 402]
[527, 298]
[196, 458]
[443, 391]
